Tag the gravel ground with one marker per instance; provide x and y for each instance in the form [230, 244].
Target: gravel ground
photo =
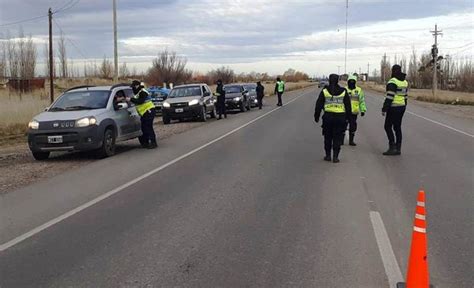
[18, 168]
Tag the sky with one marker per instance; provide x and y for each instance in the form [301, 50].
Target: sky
[248, 35]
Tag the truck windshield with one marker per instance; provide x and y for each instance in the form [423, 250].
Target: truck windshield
[185, 92]
[81, 100]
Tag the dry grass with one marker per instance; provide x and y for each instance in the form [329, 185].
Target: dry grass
[442, 97]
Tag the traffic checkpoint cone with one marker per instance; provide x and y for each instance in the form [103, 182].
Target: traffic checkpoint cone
[418, 275]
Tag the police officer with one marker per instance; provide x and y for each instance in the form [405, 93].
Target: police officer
[335, 102]
[394, 108]
[146, 110]
[260, 94]
[220, 93]
[279, 89]
[358, 105]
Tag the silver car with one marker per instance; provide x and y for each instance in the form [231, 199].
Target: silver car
[85, 118]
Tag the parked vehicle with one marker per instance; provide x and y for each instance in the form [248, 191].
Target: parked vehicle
[189, 102]
[252, 93]
[236, 97]
[322, 83]
[158, 96]
[85, 118]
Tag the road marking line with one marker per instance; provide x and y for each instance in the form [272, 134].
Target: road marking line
[392, 270]
[432, 121]
[441, 124]
[92, 202]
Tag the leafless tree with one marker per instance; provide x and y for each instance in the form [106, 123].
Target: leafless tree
[62, 55]
[124, 72]
[12, 57]
[168, 68]
[106, 69]
[226, 74]
[3, 60]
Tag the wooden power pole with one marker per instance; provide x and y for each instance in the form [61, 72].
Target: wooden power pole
[434, 53]
[51, 62]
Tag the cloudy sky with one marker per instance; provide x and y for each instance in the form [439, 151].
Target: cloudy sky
[249, 35]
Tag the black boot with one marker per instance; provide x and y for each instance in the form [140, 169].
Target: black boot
[335, 158]
[392, 150]
[328, 156]
[398, 149]
[351, 139]
[152, 145]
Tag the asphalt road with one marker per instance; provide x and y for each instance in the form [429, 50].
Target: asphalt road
[249, 202]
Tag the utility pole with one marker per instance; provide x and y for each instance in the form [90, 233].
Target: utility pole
[345, 42]
[368, 71]
[115, 42]
[434, 53]
[51, 63]
[339, 70]
[384, 66]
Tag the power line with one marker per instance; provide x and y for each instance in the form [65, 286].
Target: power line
[63, 8]
[71, 41]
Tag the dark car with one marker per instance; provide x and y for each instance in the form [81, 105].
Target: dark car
[322, 83]
[158, 96]
[189, 102]
[236, 97]
[252, 93]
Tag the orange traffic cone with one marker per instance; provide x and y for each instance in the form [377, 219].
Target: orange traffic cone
[418, 275]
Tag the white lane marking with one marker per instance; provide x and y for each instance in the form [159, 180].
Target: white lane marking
[392, 270]
[436, 122]
[92, 202]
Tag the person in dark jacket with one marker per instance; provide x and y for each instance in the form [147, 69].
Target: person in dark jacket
[220, 93]
[394, 108]
[336, 103]
[260, 94]
[147, 112]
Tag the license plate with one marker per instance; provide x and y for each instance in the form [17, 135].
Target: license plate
[179, 110]
[55, 139]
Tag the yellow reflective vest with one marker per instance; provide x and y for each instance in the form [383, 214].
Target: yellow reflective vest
[145, 106]
[357, 100]
[398, 98]
[334, 103]
[280, 86]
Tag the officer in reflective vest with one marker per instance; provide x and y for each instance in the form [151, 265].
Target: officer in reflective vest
[358, 105]
[394, 108]
[335, 102]
[279, 89]
[220, 94]
[147, 112]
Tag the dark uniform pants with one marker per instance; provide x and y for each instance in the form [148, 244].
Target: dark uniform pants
[148, 135]
[352, 123]
[334, 126]
[260, 101]
[221, 107]
[279, 98]
[393, 122]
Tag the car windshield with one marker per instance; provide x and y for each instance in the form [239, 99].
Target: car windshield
[232, 89]
[250, 88]
[81, 100]
[185, 92]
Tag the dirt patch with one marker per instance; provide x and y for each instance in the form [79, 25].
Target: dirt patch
[18, 168]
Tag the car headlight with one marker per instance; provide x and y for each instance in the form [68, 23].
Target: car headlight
[166, 104]
[34, 125]
[193, 102]
[237, 99]
[85, 122]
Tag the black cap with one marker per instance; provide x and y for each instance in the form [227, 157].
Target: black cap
[135, 83]
[333, 79]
